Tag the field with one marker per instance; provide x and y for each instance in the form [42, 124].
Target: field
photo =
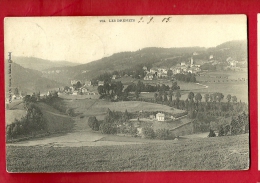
[56, 121]
[92, 107]
[11, 115]
[219, 153]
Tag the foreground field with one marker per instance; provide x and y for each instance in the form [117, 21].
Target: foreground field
[220, 153]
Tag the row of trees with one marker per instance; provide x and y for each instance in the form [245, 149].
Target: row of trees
[186, 77]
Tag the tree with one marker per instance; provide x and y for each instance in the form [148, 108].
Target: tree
[170, 95]
[165, 96]
[178, 95]
[148, 133]
[219, 96]
[163, 134]
[107, 128]
[78, 85]
[136, 94]
[211, 133]
[175, 86]
[169, 73]
[193, 79]
[155, 96]
[198, 97]
[234, 99]
[206, 97]
[125, 116]
[191, 96]
[93, 123]
[106, 87]
[109, 118]
[229, 98]
[101, 90]
[16, 92]
[221, 131]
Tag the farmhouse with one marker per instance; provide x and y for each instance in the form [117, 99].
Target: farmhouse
[160, 116]
[101, 83]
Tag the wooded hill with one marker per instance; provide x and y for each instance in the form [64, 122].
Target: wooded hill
[28, 80]
[162, 57]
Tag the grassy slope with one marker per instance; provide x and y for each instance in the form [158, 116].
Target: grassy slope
[221, 153]
[56, 121]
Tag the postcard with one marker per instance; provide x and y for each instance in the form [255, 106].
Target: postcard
[126, 93]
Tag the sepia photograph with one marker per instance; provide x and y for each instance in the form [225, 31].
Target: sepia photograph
[126, 93]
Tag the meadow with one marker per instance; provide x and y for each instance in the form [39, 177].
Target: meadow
[97, 107]
[219, 153]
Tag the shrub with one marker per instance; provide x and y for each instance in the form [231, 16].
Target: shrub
[148, 133]
[211, 133]
[163, 134]
[93, 123]
[221, 131]
[133, 131]
[107, 128]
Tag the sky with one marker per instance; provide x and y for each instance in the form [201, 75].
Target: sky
[85, 39]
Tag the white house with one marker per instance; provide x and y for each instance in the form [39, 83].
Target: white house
[114, 77]
[101, 83]
[160, 116]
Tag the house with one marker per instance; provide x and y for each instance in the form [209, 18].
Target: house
[190, 71]
[101, 83]
[195, 53]
[75, 92]
[233, 63]
[183, 63]
[114, 77]
[160, 116]
[144, 68]
[88, 83]
[72, 82]
[211, 57]
[161, 75]
[178, 70]
[162, 70]
[148, 76]
[83, 90]
[153, 70]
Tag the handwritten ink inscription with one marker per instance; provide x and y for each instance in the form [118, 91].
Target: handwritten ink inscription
[146, 20]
